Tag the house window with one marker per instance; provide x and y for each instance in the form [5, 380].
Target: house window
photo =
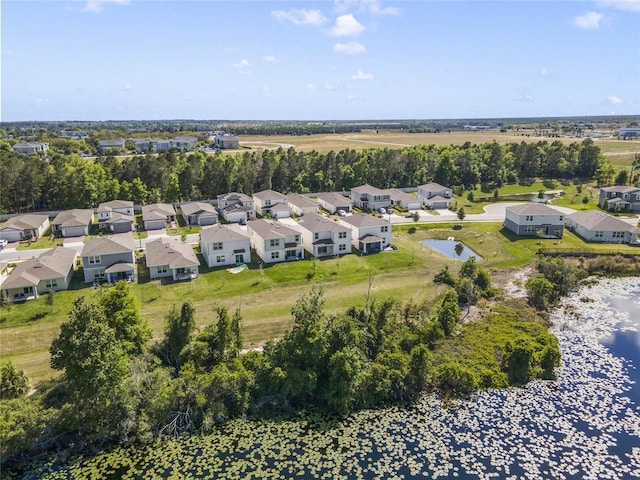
[99, 274]
[561, 218]
[275, 255]
[384, 229]
[53, 283]
[162, 269]
[220, 259]
[267, 202]
[528, 218]
[274, 242]
[322, 250]
[296, 239]
[94, 260]
[217, 246]
[599, 234]
[342, 234]
[316, 236]
[529, 228]
[617, 235]
[342, 247]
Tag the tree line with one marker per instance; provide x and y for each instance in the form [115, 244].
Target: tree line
[61, 180]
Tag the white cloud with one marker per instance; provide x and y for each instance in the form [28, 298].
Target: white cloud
[350, 96]
[613, 100]
[369, 6]
[628, 5]
[351, 48]
[312, 86]
[243, 66]
[300, 17]
[269, 58]
[544, 71]
[97, 6]
[347, 26]
[127, 88]
[360, 75]
[588, 21]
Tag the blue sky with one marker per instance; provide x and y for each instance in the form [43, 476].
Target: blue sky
[320, 60]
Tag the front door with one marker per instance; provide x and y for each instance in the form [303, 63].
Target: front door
[240, 258]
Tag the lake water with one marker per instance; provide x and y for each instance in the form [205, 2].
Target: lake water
[584, 425]
[448, 248]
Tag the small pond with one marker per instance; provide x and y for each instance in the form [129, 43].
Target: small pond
[448, 248]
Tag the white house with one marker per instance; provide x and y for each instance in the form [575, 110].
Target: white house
[323, 236]
[369, 234]
[23, 227]
[109, 259]
[274, 242]
[158, 215]
[169, 258]
[199, 213]
[224, 245]
[116, 216]
[597, 226]
[532, 219]
[369, 197]
[29, 148]
[72, 223]
[332, 202]
[265, 200]
[301, 204]
[403, 199]
[434, 195]
[236, 207]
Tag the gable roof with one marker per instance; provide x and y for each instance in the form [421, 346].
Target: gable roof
[433, 187]
[157, 211]
[319, 223]
[269, 195]
[108, 246]
[533, 209]
[176, 255]
[600, 221]
[301, 201]
[54, 263]
[221, 233]
[335, 199]
[234, 196]
[399, 195]
[368, 189]
[28, 221]
[620, 189]
[118, 218]
[193, 208]
[77, 217]
[113, 204]
[364, 220]
[268, 230]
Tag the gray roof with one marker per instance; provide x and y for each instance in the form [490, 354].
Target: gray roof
[599, 221]
[157, 211]
[399, 195]
[176, 255]
[319, 223]
[111, 143]
[76, 217]
[120, 267]
[237, 207]
[108, 245]
[54, 263]
[30, 144]
[334, 199]
[28, 221]
[620, 189]
[269, 195]
[301, 201]
[113, 204]
[364, 220]
[439, 198]
[117, 218]
[369, 189]
[235, 196]
[220, 233]
[268, 230]
[533, 209]
[193, 208]
[185, 139]
[280, 207]
[433, 187]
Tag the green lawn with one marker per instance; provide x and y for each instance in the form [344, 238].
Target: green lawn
[46, 240]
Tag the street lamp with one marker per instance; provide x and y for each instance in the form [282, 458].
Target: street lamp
[139, 237]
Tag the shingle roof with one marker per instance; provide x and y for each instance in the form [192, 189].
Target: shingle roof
[76, 217]
[234, 196]
[197, 207]
[368, 189]
[280, 207]
[157, 211]
[117, 218]
[596, 220]
[533, 209]
[269, 195]
[165, 252]
[364, 220]
[108, 246]
[300, 201]
[268, 230]
[54, 263]
[113, 204]
[28, 221]
[620, 189]
[319, 223]
[335, 199]
[220, 233]
[399, 195]
[433, 187]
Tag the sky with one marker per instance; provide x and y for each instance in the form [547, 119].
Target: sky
[318, 60]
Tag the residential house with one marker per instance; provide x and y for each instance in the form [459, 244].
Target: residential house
[24, 227]
[403, 199]
[597, 226]
[274, 242]
[185, 143]
[368, 197]
[29, 148]
[434, 195]
[332, 202]
[533, 219]
[301, 204]
[110, 146]
[620, 198]
[323, 236]
[227, 141]
[199, 213]
[116, 216]
[157, 215]
[265, 200]
[236, 207]
[51, 271]
[109, 259]
[369, 234]
[280, 210]
[169, 258]
[153, 144]
[224, 245]
[72, 223]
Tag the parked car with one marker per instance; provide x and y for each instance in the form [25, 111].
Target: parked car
[3, 243]
[382, 210]
[341, 213]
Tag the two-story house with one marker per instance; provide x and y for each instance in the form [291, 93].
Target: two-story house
[620, 198]
[434, 195]
[158, 215]
[199, 213]
[369, 197]
[116, 216]
[369, 234]
[109, 259]
[532, 219]
[236, 207]
[274, 242]
[72, 223]
[224, 245]
[24, 227]
[265, 200]
[168, 258]
[323, 236]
